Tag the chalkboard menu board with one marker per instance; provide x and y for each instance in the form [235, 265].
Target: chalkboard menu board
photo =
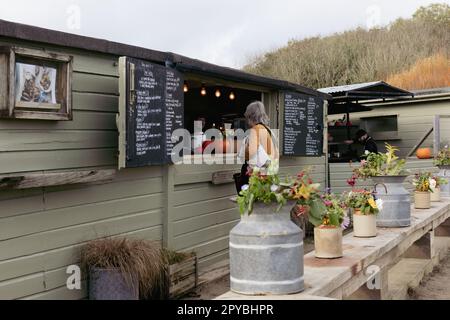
[303, 125]
[154, 109]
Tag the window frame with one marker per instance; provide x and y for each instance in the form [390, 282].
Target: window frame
[10, 108]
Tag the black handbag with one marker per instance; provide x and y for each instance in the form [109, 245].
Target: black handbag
[241, 178]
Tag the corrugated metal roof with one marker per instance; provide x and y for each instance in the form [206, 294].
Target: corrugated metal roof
[350, 87]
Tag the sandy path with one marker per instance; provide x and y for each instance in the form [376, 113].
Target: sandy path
[435, 286]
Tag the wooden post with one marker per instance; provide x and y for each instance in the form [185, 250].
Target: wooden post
[376, 287]
[443, 230]
[422, 248]
[169, 188]
[436, 134]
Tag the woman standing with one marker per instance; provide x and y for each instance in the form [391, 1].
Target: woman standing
[258, 149]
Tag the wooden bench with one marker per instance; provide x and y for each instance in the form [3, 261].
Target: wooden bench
[374, 268]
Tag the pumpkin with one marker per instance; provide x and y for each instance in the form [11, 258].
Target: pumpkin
[423, 153]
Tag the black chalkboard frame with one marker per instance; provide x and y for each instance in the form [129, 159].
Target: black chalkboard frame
[127, 112]
[319, 101]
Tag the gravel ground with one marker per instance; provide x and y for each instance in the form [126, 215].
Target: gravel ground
[435, 286]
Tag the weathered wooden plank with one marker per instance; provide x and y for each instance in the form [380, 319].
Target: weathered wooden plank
[11, 162]
[35, 180]
[83, 82]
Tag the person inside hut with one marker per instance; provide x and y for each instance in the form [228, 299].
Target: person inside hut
[258, 149]
[366, 140]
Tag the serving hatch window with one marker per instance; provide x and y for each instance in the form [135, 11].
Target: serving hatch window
[209, 105]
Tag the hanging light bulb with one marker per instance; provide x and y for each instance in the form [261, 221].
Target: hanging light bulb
[185, 87]
[232, 96]
[218, 93]
[203, 90]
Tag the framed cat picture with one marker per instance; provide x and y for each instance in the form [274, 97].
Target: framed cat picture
[38, 84]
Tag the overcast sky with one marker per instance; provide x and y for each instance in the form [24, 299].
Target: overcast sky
[225, 32]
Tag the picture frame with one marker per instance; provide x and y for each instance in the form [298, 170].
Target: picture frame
[39, 84]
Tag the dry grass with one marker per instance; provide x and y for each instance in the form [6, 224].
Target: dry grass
[360, 55]
[433, 72]
[139, 259]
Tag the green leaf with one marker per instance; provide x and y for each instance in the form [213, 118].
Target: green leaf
[334, 219]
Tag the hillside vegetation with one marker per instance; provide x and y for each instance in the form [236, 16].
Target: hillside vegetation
[412, 53]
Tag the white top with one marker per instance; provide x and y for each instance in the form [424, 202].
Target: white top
[260, 158]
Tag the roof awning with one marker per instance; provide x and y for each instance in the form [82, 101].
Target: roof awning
[365, 91]
[349, 98]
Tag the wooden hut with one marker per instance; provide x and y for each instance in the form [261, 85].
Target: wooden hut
[63, 138]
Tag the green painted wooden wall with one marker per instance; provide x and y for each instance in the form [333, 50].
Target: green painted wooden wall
[42, 229]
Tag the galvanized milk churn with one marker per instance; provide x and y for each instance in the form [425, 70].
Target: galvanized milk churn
[266, 252]
[396, 211]
[444, 172]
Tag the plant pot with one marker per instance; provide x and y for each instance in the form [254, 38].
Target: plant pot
[435, 196]
[422, 200]
[111, 284]
[364, 225]
[444, 172]
[328, 242]
[396, 210]
[266, 252]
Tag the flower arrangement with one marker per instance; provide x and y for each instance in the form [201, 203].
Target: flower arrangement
[306, 194]
[363, 200]
[436, 182]
[333, 213]
[262, 187]
[421, 182]
[268, 187]
[381, 164]
[443, 157]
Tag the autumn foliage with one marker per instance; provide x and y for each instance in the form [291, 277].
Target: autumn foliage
[413, 53]
[433, 72]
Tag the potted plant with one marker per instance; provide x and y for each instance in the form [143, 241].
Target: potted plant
[422, 198]
[442, 161]
[266, 247]
[124, 269]
[436, 183]
[387, 172]
[365, 208]
[306, 193]
[329, 224]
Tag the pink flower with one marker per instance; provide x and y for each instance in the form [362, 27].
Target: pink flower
[363, 162]
[328, 203]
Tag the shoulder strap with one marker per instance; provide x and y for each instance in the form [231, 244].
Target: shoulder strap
[274, 140]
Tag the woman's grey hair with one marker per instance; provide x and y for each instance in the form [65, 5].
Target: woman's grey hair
[256, 113]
